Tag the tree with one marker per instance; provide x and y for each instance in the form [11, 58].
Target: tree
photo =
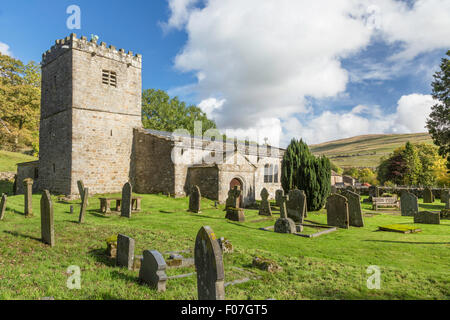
[300, 169]
[20, 96]
[438, 123]
[160, 112]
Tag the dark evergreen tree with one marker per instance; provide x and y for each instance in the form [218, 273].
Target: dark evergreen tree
[302, 170]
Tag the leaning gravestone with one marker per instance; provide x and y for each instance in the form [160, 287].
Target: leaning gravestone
[209, 266]
[83, 205]
[428, 196]
[28, 186]
[296, 205]
[337, 211]
[355, 215]
[153, 270]
[427, 217]
[445, 196]
[125, 251]
[80, 185]
[285, 224]
[3, 206]
[279, 194]
[409, 204]
[127, 191]
[194, 199]
[233, 197]
[47, 226]
[264, 208]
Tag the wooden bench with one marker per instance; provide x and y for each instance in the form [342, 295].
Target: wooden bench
[105, 204]
[385, 202]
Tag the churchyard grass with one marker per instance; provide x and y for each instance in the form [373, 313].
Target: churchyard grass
[332, 266]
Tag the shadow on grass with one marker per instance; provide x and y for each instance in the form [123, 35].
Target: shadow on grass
[116, 274]
[241, 225]
[101, 256]
[407, 242]
[430, 207]
[16, 234]
[203, 216]
[96, 213]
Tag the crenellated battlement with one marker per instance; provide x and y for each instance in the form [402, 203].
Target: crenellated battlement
[92, 47]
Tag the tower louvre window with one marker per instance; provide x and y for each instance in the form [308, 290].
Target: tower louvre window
[109, 78]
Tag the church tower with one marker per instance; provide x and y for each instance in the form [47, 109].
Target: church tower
[90, 104]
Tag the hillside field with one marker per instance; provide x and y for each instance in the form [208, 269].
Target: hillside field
[366, 150]
[9, 160]
[332, 266]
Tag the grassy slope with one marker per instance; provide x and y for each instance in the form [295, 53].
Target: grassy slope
[8, 160]
[413, 266]
[367, 150]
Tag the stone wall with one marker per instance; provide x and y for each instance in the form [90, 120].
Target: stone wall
[153, 169]
[206, 178]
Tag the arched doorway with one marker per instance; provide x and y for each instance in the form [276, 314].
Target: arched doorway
[236, 182]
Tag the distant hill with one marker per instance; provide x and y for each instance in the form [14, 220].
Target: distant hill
[366, 150]
[9, 160]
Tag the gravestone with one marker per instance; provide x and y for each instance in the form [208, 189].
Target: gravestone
[445, 198]
[80, 185]
[125, 251]
[28, 187]
[333, 189]
[235, 214]
[83, 205]
[428, 196]
[233, 197]
[296, 205]
[337, 211]
[264, 207]
[355, 215]
[427, 217]
[3, 206]
[127, 191]
[194, 199]
[409, 204]
[279, 194]
[285, 224]
[209, 266]
[47, 224]
[374, 192]
[153, 270]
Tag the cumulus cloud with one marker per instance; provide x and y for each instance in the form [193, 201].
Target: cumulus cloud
[260, 62]
[4, 49]
[409, 117]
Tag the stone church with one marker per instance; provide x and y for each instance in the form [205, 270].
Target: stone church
[91, 130]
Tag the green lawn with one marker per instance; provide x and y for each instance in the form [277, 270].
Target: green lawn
[333, 266]
[9, 160]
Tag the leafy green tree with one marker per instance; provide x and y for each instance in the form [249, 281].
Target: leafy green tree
[438, 123]
[160, 112]
[20, 96]
[300, 169]
[413, 165]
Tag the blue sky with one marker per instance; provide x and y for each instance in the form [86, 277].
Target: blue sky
[319, 70]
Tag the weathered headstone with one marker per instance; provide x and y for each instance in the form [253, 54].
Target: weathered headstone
[428, 196]
[127, 191]
[296, 205]
[153, 270]
[209, 266]
[83, 205]
[445, 197]
[125, 251]
[337, 211]
[47, 224]
[28, 187]
[279, 194]
[427, 217]
[80, 185]
[235, 214]
[285, 224]
[233, 197]
[374, 192]
[194, 199]
[408, 204]
[264, 207]
[3, 206]
[355, 215]
[333, 189]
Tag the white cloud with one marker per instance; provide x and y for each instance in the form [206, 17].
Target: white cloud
[410, 117]
[259, 62]
[4, 49]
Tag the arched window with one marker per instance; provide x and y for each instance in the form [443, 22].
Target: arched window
[275, 174]
[268, 173]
